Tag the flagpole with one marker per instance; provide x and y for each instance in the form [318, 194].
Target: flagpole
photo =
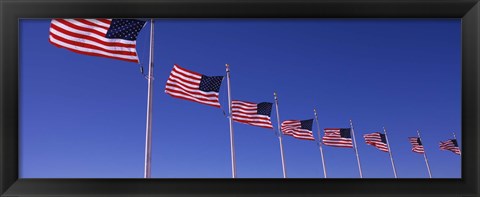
[232, 147]
[425, 156]
[320, 144]
[148, 140]
[390, 152]
[280, 136]
[356, 150]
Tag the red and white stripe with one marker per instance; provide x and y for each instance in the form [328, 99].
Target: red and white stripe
[185, 84]
[416, 147]
[375, 140]
[246, 112]
[332, 137]
[87, 36]
[448, 145]
[293, 128]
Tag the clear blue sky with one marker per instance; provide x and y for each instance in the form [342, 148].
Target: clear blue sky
[84, 116]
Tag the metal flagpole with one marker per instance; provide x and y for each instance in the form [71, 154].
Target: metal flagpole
[390, 152]
[425, 155]
[320, 144]
[356, 150]
[232, 147]
[280, 136]
[148, 140]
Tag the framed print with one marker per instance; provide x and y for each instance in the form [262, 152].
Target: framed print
[239, 98]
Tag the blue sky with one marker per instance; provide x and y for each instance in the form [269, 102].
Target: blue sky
[84, 117]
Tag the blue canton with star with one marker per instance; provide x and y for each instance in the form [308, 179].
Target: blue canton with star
[419, 141]
[345, 133]
[382, 136]
[454, 141]
[127, 29]
[306, 124]
[264, 108]
[210, 84]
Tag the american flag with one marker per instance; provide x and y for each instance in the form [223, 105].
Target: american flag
[450, 145]
[111, 38]
[378, 140]
[338, 137]
[192, 86]
[300, 129]
[256, 114]
[416, 145]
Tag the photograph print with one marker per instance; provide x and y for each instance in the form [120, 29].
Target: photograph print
[240, 98]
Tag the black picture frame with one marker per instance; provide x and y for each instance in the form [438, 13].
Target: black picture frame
[11, 11]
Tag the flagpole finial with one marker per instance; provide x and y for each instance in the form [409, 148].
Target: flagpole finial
[228, 67]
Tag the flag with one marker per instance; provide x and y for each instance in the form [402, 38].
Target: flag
[378, 140]
[256, 114]
[192, 86]
[450, 145]
[111, 38]
[300, 129]
[416, 145]
[338, 137]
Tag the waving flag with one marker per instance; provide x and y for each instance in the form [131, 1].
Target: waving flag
[252, 113]
[192, 86]
[300, 129]
[338, 137]
[111, 38]
[378, 140]
[450, 145]
[416, 145]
